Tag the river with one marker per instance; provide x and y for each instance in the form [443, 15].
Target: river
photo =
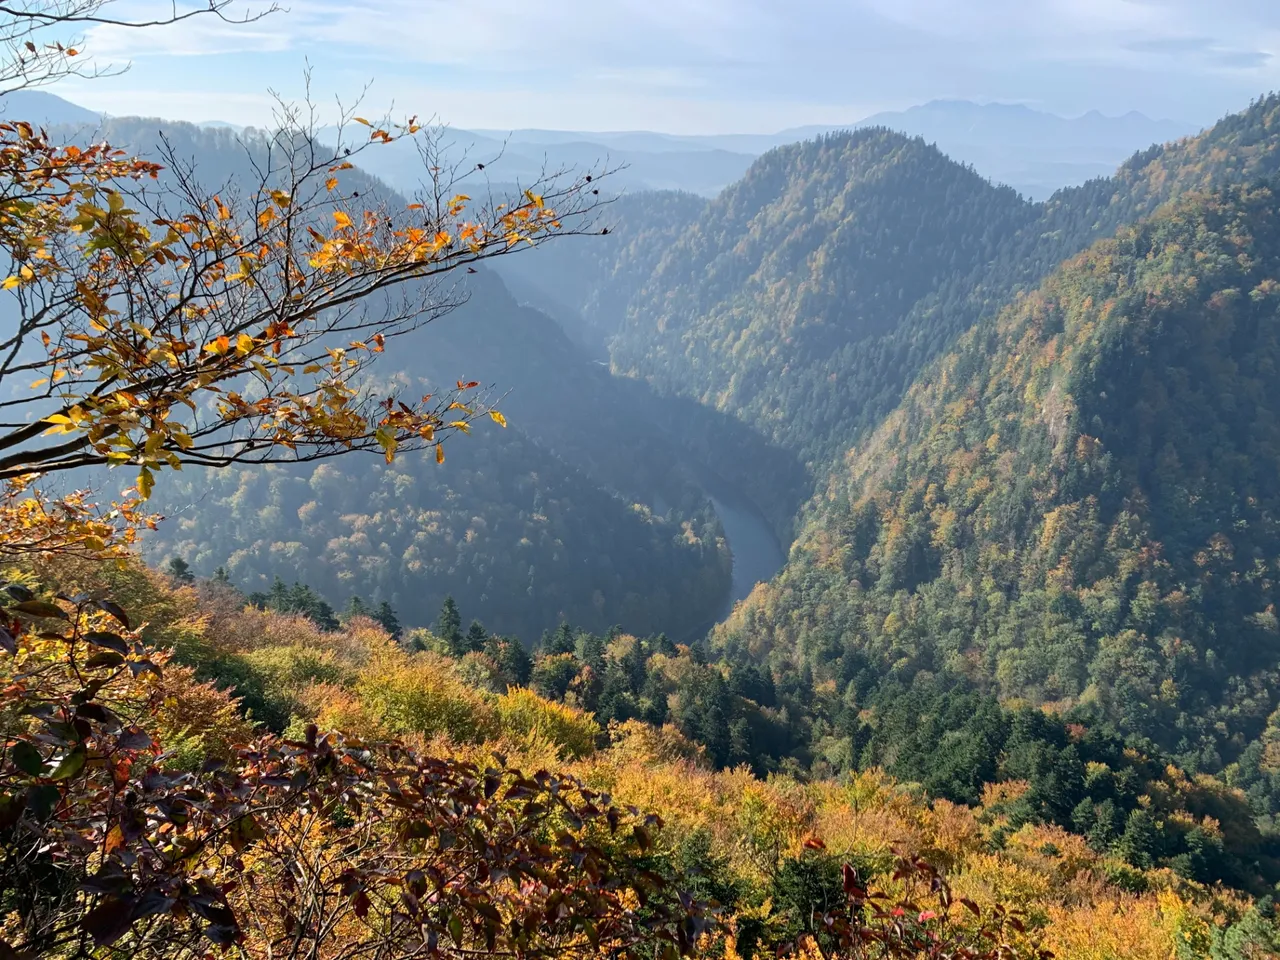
[757, 555]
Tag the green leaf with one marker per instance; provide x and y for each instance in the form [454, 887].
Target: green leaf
[455, 929]
[42, 800]
[386, 438]
[27, 758]
[40, 608]
[246, 831]
[71, 764]
[111, 641]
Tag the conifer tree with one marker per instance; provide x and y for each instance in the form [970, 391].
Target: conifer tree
[449, 627]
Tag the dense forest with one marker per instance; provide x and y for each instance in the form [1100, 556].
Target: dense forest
[396, 618]
[591, 506]
[1073, 508]
[774, 858]
[758, 310]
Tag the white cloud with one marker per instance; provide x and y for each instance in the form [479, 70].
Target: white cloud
[722, 64]
[242, 28]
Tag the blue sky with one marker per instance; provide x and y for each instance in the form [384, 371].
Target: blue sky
[690, 66]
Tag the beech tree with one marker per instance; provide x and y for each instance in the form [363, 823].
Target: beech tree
[162, 323]
[323, 846]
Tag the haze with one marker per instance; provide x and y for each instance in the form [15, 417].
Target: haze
[698, 66]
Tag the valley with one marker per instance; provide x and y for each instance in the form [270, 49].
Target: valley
[857, 541]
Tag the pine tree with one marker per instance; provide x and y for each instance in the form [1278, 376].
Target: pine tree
[449, 627]
[387, 617]
[476, 636]
[180, 570]
[590, 650]
[1141, 839]
[512, 659]
[560, 642]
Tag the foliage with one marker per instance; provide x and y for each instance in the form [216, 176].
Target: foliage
[136, 303]
[512, 518]
[337, 845]
[727, 836]
[1073, 510]
[572, 731]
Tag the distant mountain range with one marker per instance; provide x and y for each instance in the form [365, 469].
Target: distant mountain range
[36, 106]
[1032, 151]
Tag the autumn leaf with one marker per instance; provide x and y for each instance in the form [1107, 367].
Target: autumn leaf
[386, 438]
[71, 764]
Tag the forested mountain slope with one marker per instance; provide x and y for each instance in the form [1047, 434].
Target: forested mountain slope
[587, 282]
[584, 508]
[822, 246]
[1077, 507]
[766, 853]
[805, 299]
[544, 520]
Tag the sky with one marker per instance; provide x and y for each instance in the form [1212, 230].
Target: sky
[688, 66]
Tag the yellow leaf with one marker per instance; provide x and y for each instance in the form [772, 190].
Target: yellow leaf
[60, 423]
[439, 454]
[10, 283]
[386, 438]
[498, 418]
[244, 344]
[341, 219]
[331, 183]
[362, 120]
[146, 482]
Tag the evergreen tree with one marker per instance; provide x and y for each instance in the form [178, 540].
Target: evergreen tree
[512, 659]
[356, 607]
[590, 650]
[1140, 842]
[449, 627]
[560, 641]
[180, 570]
[476, 636]
[387, 617]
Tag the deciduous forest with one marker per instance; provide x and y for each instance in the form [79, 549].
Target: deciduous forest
[372, 559]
